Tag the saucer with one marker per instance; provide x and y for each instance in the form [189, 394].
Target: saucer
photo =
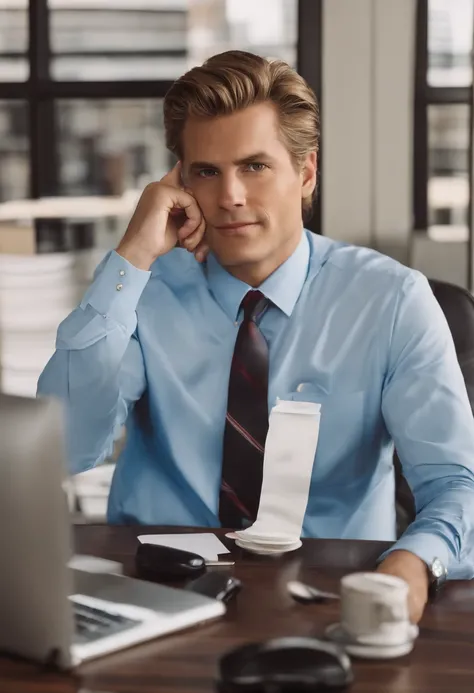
[267, 549]
[271, 539]
[337, 634]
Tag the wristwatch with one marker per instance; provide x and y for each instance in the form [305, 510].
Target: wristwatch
[437, 575]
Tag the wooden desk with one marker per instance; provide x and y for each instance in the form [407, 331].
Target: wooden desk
[442, 661]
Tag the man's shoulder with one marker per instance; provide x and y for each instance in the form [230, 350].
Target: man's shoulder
[361, 264]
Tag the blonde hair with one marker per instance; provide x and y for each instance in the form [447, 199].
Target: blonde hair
[234, 80]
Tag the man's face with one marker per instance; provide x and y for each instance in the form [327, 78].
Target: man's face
[247, 186]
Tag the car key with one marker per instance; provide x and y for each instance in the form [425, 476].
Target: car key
[155, 562]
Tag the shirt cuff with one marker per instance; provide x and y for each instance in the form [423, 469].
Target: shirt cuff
[424, 545]
[117, 288]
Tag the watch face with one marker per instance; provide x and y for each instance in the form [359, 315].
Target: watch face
[437, 568]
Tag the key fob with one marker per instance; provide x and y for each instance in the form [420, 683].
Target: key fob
[216, 585]
[153, 562]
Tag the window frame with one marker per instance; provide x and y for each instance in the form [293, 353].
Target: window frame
[425, 95]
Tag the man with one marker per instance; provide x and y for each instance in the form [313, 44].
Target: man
[191, 349]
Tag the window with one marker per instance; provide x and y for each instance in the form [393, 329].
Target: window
[81, 97]
[157, 39]
[443, 118]
[13, 40]
[14, 154]
[450, 43]
[110, 146]
[448, 170]
[266, 27]
[112, 40]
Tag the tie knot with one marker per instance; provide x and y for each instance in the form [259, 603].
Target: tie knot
[254, 304]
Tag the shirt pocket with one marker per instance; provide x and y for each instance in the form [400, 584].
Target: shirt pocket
[339, 454]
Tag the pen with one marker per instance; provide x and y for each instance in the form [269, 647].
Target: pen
[219, 563]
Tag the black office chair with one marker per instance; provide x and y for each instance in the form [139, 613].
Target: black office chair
[458, 307]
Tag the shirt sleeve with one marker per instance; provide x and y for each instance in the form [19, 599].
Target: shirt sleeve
[428, 414]
[97, 368]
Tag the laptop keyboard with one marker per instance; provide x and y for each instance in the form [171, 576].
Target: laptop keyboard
[92, 623]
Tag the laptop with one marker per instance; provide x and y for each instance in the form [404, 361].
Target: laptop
[49, 612]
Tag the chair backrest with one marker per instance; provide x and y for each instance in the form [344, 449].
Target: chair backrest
[457, 305]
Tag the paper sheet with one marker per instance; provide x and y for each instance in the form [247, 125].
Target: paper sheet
[206, 545]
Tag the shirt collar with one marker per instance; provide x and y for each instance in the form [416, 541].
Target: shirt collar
[283, 287]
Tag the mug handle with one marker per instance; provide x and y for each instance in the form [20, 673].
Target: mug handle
[391, 613]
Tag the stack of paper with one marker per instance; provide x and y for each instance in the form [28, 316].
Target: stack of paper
[91, 489]
[36, 293]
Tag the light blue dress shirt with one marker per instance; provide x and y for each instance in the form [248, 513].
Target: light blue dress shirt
[348, 328]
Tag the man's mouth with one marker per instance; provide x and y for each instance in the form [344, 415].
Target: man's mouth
[235, 227]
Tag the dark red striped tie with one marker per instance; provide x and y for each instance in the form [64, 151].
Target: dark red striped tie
[246, 423]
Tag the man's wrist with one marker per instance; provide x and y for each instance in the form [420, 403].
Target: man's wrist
[136, 256]
[408, 566]
[414, 571]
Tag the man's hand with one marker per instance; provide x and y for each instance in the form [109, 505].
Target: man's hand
[166, 214]
[413, 570]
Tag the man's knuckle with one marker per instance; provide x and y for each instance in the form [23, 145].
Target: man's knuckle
[151, 187]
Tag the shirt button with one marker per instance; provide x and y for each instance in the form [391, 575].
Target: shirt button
[236, 324]
[119, 287]
[122, 273]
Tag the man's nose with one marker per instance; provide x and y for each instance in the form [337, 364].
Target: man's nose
[232, 192]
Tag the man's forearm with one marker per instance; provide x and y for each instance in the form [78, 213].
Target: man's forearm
[93, 343]
[444, 529]
[87, 381]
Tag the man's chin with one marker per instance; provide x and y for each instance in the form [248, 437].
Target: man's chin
[228, 257]
[233, 250]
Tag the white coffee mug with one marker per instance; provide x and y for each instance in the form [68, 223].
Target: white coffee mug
[374, 609]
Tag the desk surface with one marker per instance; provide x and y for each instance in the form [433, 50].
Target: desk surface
[442, 661]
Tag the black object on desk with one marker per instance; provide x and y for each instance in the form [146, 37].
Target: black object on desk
[285, 665]
[217, 585]
[154, 562]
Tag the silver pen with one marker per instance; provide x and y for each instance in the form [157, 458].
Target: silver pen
[214, 564]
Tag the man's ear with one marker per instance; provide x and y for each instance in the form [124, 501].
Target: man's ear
[308, 174]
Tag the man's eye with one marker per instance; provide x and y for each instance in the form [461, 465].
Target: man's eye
[206, 172]
[256, 167]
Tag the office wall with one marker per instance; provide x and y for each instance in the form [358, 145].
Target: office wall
[447, 260]
[367, 121]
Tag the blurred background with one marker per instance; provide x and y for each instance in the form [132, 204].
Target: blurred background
[81, 133]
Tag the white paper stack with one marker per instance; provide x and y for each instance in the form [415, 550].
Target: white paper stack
[36, 293]
[290, 450]
[91, 489]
